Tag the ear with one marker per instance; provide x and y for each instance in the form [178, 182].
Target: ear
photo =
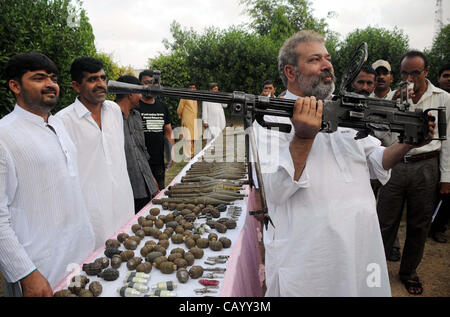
[289, 71]
[15, 86]
[76, 86]
[427, 70]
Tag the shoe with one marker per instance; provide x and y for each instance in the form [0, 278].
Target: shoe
[439, 237]
[395, 255]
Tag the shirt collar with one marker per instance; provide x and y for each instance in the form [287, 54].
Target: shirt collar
[27, 115]
[81, 109]
[431, 89]
[290, 95]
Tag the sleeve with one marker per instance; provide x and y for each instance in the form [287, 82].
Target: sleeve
[444, 164]
[167, 119]
[205, 112]
[15, 263]
[180, 108]
[280, 184]
[374, 156]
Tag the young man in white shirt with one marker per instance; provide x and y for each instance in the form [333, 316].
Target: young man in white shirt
[96, 127]
[44, 225]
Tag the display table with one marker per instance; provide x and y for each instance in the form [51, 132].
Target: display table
[242, 276]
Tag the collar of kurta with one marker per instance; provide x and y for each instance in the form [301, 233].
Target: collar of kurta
[81, 109]
[31, 117]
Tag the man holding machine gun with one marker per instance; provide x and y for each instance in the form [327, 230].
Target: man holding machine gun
[325, 240]
[416, 178]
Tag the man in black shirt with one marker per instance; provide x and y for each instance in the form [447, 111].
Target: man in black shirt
[157, 129]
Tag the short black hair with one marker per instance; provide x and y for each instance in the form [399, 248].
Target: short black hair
[146, 72]
[268, 82]
[368, 70]
[415, 53]
[443, 69]
[25, 62]
[129, 79]
[192, 84]
[84, 64]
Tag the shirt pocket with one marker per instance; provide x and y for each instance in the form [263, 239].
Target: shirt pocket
[350, 148]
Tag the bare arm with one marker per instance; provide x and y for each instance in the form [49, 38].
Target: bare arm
[35, 285]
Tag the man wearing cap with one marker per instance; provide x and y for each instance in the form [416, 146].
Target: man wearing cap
[383, 80]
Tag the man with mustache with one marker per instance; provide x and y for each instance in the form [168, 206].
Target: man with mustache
[383, 80]
[44, 224]
[325, 239]
[96, 127]
[364, 83]
[418, 178]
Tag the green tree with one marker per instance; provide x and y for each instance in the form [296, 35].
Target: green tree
[234, 58]
[439, 54]
[174, 73]
[385, 44]
[298, 12]
[53, 27]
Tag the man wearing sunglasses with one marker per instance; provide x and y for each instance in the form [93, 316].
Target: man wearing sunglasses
[417, 177]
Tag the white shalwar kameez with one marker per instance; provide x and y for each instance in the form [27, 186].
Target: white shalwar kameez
[103, 168]
[326, 240]
[44, 222]
[213, 115]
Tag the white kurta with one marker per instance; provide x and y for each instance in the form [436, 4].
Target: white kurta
[102, 164]
[326, 240]
[213, 115]
[43, 218]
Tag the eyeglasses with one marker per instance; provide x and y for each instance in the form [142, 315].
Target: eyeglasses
[413, 74]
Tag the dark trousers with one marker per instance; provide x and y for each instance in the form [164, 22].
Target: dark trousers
[140, 203]
[159, 173]
[416, 184]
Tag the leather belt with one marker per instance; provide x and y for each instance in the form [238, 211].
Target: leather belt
[420, 157]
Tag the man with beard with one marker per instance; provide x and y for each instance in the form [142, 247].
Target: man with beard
[96, 127]
[44, 225]
[383, 80]
[364, 83]
[325, 239]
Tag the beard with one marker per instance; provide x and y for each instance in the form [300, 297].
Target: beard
[43, 104]
[313, 85]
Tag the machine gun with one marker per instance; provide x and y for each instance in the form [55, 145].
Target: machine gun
[346, 109]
